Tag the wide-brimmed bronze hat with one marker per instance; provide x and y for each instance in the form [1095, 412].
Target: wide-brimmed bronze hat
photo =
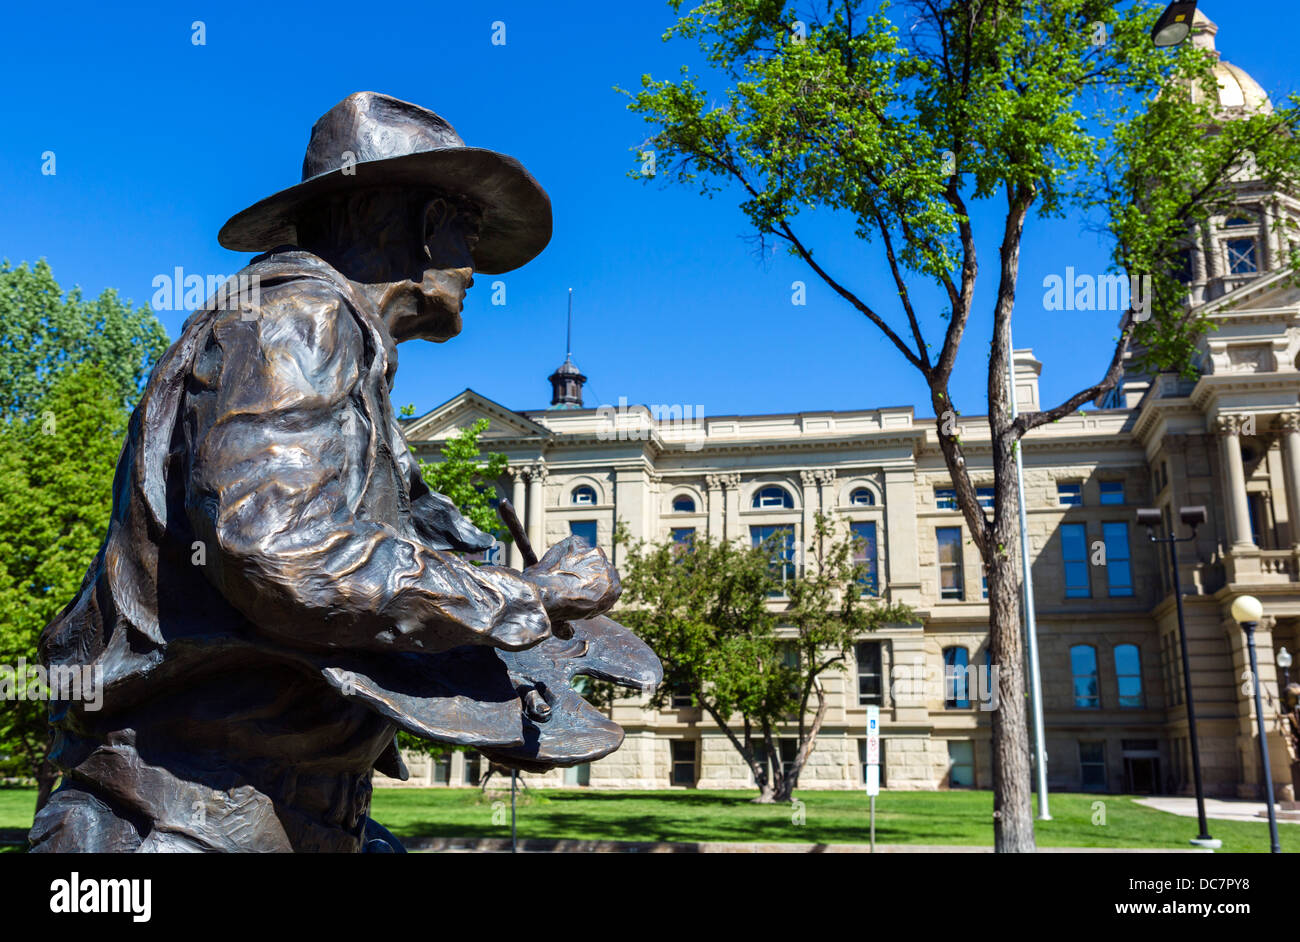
[370, 140]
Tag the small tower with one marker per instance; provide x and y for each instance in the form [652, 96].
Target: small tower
[566, 382]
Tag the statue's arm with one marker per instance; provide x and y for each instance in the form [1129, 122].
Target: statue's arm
[280, 453]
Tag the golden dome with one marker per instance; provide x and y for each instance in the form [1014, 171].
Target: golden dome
[1237, 91]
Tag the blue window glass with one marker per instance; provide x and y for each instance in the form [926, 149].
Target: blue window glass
[782, 545]
[950, 565]
[1119, 569]
[1069, 495]
[985, 496]
[1128, 676]
[956, 695]
[1241, 256]
[864, 554]
[583, 495]
[862, 498]
[683, 504]
[945, 498]
[585, 530]
[1112, 492]
[773, 497]
[683, 537]
[1083, 668]
[1074, 553]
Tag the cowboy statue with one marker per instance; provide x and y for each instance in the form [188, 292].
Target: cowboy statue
[279, 592]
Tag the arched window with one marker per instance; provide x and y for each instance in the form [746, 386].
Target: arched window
[583, 495]
[1083, 667]
[861, 497]
[1239, 221]
[683, 504]
[1128, 676]
[956, 695]
[773, 497]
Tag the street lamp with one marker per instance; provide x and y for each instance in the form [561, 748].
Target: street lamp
[1247, 611]
[1175, 24]
[1284, 662]
[1192, 517]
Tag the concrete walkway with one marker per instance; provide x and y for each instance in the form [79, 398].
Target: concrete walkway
[1185, 806]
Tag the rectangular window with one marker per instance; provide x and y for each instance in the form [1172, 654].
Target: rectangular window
[961, 763]
[864, 554]
[681, 696]
[1128, 676]
[950, 572]
[683, 761]
[945, 498]
[683, 537]
[1074, 555]
[782, 545]
[985, 496]
[1257, 511]
[1092, 766]
[578, 774]
[956, 679]
[1112, 492]
[585, 530]
[473, 768]
[1083, 667]
[442, 769]
[1119, 569]
[1070, 495]
[1241, 256]
[870, 686]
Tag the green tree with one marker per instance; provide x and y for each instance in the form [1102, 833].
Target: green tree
[56, 480]
[1014, 106]
[465, 476]
[750, 641]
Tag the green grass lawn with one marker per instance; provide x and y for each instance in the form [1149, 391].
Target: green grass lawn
[830, 817]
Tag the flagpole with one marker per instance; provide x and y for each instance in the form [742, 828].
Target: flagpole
[1031, 625]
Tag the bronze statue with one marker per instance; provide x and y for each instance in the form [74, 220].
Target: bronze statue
[279, 591]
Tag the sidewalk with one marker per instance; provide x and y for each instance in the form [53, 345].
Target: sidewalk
[1185, 806]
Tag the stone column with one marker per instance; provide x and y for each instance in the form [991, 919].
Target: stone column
[715, 497]
[517, 491]
[536, 525]
[1234, 482]
[731, 525]
[810, 507]
[826, 489]
[1289, 425]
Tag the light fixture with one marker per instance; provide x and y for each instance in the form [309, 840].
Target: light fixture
[1284, 659]
[1246, 609]
[1175, 24]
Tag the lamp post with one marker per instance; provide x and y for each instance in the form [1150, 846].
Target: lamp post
[1247, 612]
[1175, 24]
[1192, 517]
[1284, 662]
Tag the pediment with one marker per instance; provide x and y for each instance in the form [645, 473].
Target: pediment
[1275, 291]
[463, 410]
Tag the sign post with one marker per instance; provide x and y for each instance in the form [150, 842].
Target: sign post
[873, 765]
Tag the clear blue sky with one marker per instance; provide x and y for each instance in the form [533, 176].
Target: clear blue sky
[159, 141]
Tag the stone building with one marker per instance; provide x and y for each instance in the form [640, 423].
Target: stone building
[1112, 674]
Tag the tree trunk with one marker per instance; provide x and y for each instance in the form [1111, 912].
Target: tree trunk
[791, 781]
[1013, 821]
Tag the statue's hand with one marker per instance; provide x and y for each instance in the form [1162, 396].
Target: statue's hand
[575, 581]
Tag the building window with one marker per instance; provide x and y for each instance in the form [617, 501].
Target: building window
[1092, 766]
[956, 696]
[683, 761]
[1128, 676]
[773, 498]
[442, 769]
[861, 497]
[584, 530]
[473, 768]
[862, 760]
[984, 585]
[578, 774]
[1074, 554]
[985, 496]
[1238, 221]
[1069, 494]
[1112, 492]
[945, 498]
[1257, 511]
[1083, 667]
[683, 537]
[583, 495]
[864, 554]
[780, 541]
[870, 686]
[1119, 569]
[683, 504]
[961, 763]
[681, 696]
[1241, 256]
[950, 574]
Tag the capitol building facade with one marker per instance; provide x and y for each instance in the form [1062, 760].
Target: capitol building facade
[1114, 703]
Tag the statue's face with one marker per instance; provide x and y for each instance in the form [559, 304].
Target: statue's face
[412, 255]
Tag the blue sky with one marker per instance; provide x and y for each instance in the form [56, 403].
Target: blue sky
[158, 141]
